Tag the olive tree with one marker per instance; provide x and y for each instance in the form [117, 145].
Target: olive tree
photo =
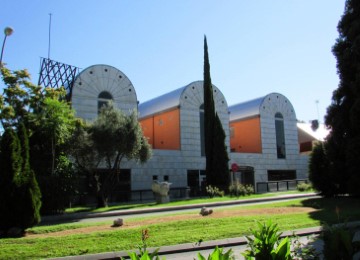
[112, 137]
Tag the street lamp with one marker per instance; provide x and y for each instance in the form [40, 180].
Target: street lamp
[7, 31]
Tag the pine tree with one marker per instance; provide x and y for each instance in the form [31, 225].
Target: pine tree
[217, 172]
[343, 115]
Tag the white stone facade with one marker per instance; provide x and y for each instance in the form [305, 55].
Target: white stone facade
[94, 80]
[174, 164]
[267, 160]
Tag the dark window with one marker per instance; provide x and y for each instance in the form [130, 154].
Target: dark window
[155, 177]
[166, 177]
[281, 175]
[280, 136]
[103, 99]
[193, 178]
[196, 180]
[202, 130]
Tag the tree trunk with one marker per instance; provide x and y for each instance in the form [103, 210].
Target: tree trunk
[53, 156]
[102, 200]
[101, 195]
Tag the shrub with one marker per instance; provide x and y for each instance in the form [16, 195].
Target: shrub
[213, 191]
[237, 189]
[304, 187]
[249, 189]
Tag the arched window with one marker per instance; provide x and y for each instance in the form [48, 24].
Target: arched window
[103, 99]
[202, 129]
[280, 136]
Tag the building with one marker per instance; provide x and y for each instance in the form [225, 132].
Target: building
[96, 85]
[174, 126]
[262, 134]
[264, 141]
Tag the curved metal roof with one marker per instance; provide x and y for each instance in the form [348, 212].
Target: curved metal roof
[161, 103]
[246, 109]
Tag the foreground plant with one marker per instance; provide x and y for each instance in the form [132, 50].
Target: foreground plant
[266, 244]
[218, 254]
[143, 253]
[338, 242]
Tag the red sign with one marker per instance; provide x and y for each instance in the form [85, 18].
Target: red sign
[234, 167]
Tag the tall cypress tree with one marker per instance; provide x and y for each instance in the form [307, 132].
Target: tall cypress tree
[11, 163]
[19, 192]
[29, 195]
[209, 116]
[343, 115]
[217, 172]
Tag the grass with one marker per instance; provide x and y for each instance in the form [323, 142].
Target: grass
[168, 233]
[62, 227]
[172, 203]
[127, 239]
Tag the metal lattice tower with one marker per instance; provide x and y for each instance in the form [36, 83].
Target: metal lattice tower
[55, 74]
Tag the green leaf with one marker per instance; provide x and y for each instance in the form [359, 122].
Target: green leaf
[282, 252]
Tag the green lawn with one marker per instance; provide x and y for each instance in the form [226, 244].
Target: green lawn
[183, 231]
[175, 203]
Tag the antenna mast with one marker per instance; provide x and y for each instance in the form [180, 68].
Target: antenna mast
[49, 35]
[317, 109]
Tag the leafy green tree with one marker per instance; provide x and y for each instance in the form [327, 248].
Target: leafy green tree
[53, 123]
[217, 169]
[112, 137]
[22, 98]
[343, 144]
[50, 123]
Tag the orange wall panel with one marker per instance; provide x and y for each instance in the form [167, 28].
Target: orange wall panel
[167, 130]
[147, 126]
[246, 136]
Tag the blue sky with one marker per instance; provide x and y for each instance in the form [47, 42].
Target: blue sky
[256, 47]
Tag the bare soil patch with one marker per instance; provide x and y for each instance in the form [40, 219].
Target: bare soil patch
[174, 218]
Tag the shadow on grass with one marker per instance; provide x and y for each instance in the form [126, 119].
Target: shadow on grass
[334, 210]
